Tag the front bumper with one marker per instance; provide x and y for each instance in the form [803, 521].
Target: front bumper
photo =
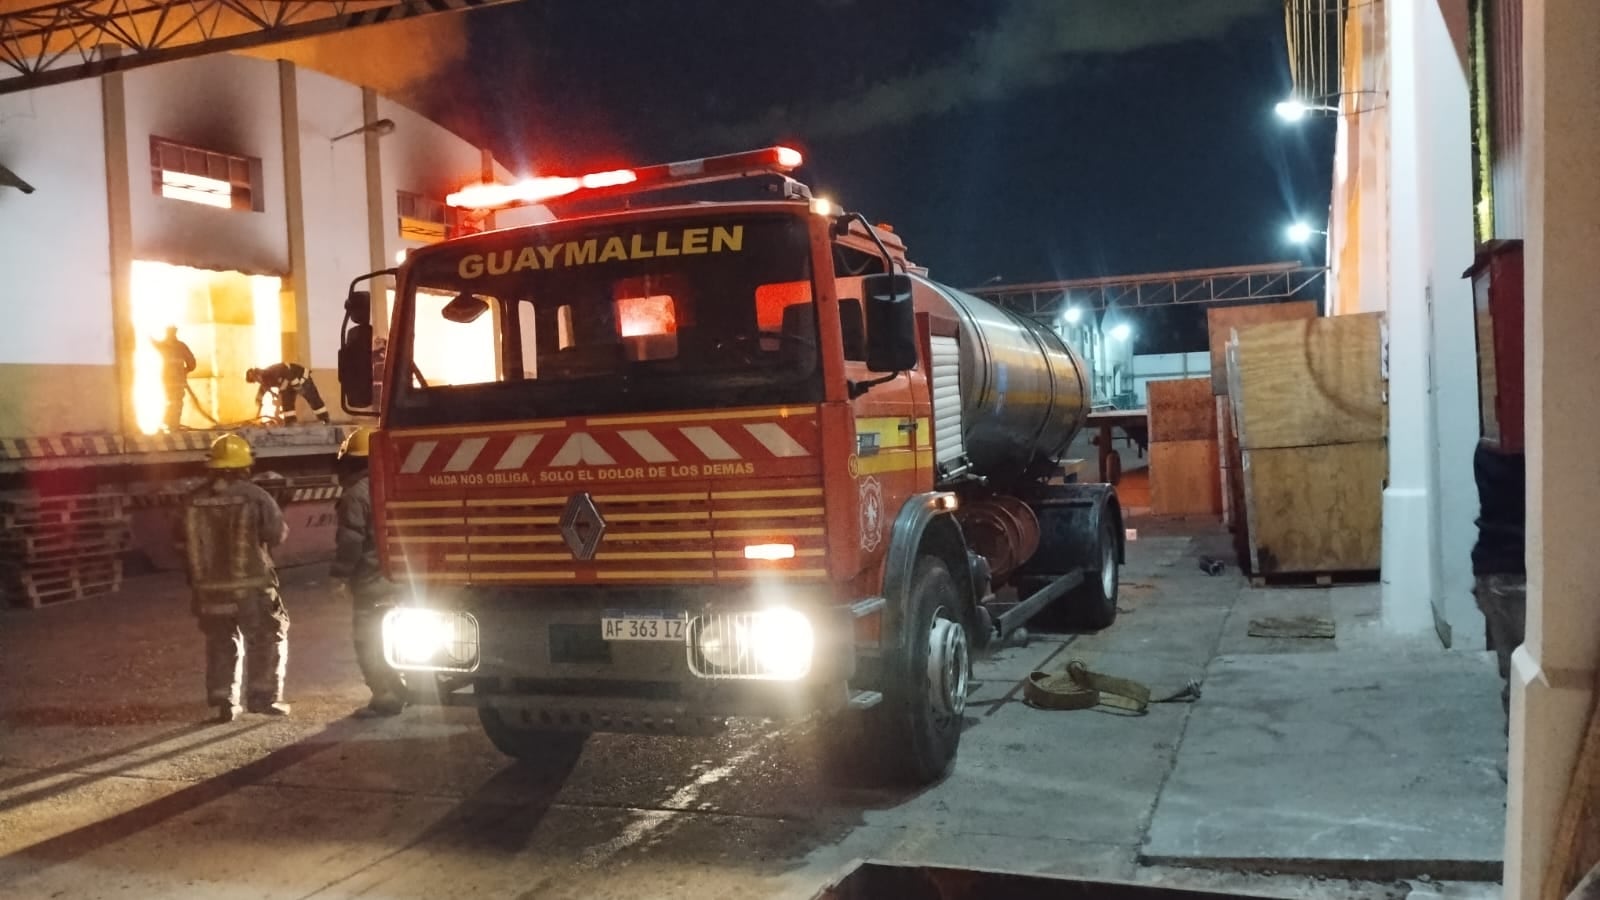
[542, 661]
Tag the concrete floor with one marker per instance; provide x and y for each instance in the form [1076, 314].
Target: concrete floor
[110, 788]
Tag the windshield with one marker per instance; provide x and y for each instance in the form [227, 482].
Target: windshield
[693, 313]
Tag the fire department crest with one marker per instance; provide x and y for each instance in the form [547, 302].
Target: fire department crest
[871, 514]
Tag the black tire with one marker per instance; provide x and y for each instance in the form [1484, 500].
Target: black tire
[905, 739]
[1093, 605]
[557, 751]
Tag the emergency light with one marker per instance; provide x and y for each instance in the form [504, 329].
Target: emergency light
[768, 161]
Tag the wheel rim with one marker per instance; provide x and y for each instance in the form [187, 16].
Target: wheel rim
[1108, 570]
[948, 666]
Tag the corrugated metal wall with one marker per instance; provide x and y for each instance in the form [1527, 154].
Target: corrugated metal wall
[1505, 118]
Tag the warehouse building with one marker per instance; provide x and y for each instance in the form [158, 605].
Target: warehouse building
[232, 197]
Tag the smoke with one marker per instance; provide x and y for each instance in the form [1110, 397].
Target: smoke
[1033, 43]
[402, 60]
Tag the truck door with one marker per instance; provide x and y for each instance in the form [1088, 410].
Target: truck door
[891, 459]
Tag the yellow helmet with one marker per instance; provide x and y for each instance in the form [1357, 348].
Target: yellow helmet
[358, 444]
[230, 452]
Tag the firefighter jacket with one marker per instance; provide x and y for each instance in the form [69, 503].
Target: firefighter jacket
[355, 555]
[280, 376]
[229, 530]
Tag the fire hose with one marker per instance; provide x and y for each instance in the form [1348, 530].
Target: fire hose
[1077, 687]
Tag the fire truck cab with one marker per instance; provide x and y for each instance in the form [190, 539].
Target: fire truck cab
[651, 468]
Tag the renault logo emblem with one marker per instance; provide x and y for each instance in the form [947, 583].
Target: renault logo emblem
[582, 526]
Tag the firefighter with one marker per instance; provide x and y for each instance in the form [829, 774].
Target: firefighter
[229, 528]
[355, 564]
[290, 381]
[177, 361]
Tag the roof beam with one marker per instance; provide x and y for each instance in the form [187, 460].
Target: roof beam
[60, 41]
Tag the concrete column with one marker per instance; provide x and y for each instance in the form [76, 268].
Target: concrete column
[1410, 537]
[297, 327]
[378, 224]
[119, 207]
[1553, 672]
[1447, 151]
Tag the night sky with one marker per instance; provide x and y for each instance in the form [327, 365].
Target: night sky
[1026, 139]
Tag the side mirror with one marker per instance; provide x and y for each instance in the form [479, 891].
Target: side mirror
[891, 322]
[464, 309]
[355, 367]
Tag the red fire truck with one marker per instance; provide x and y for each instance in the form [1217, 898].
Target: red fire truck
[650, 468]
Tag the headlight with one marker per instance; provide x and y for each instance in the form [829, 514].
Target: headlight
[430, 640]
[773, 644]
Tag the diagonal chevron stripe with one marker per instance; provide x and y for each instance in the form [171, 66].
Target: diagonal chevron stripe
[776, 440]
[645, 444]
[465, 454]
[707, 441]
[519, 451]
[581, 449]
[420, 451]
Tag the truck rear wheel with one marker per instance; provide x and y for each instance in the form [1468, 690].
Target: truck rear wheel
[912, 735]
[1093, 605]
[557, 751]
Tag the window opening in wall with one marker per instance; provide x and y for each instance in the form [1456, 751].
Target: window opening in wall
[229, 320]
[422, 219]
[195, 175]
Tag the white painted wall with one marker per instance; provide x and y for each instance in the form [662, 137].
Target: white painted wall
[54, 243]
[1447, 150]
[1150, 367]
[1411, 547]
[421, 157]
[223, 103]
[334, 188]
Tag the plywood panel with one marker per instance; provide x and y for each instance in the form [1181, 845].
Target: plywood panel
[1315, 509]
[1183, 479]
[1182, 410]
[1223, 320]
[1313, 382]
[1225, 453]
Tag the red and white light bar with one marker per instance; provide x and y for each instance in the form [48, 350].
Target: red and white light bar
[774, 160]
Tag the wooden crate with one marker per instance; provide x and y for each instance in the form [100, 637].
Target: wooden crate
[1181, 410]
[1315, 509]
[1183, 478]
[1225, 463]
[1222, 321]
[1312, 382]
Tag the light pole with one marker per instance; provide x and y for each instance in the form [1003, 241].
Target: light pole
[381, 127]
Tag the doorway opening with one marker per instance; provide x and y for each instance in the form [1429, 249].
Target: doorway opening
[231, 321]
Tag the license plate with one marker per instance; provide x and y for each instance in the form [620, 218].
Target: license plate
[633, 625]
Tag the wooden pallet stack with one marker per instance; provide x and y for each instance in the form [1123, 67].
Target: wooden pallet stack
[61, 548]
[1309, 415]
[1183, 448]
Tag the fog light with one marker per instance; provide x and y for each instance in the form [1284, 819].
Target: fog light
[430, 640]
[782, 643]
[773, 644]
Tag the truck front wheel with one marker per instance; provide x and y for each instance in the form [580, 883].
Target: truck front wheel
[557, 751]
[912, 735]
